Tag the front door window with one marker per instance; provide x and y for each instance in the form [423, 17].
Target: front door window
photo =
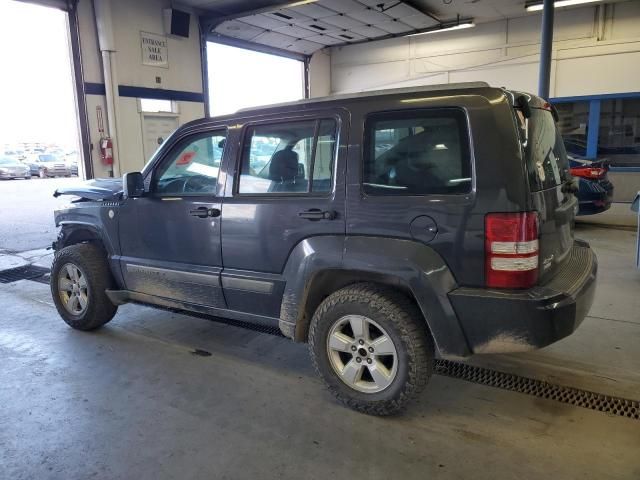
[193, 169]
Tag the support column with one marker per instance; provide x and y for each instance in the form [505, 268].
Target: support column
[546, 47]
[593, 129]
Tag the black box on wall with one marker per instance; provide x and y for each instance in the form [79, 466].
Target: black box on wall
[176, 22]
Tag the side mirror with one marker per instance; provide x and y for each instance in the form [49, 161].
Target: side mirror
[133, 184]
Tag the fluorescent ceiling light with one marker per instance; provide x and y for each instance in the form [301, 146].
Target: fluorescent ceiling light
[458, 26]
[558, 4]
[297, 4]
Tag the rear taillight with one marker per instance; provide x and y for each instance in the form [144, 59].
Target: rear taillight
[593, 173]
[511, 249]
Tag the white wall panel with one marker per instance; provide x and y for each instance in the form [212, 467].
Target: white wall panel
[568, 24]
[382, 51]
[320, 74]
[626, 19]
[456, 61]
[486, 35]
[91, 63]
[504, 53]
[598, 74]
[518, 77]
[183, 74]
[129, 19]
[364, 77]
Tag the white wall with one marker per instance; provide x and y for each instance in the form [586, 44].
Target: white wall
[183, 74]
[320, 74]
[505, 53]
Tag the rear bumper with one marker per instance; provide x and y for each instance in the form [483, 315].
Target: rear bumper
[499, 321]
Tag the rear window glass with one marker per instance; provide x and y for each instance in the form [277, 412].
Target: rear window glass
[545, 154]
[417, 153]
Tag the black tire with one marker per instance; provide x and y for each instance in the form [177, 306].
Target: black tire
[91, 260]
[403, 323]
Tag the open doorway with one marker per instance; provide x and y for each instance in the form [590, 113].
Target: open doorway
[39, 134]
[38, 117]
[240, 78]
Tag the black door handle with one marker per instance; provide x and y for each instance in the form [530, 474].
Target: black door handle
[204, 212]
[317, 214]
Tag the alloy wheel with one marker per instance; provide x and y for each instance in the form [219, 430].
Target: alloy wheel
[362, 354]
[73, 289]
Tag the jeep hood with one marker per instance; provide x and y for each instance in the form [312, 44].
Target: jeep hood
[98, 189]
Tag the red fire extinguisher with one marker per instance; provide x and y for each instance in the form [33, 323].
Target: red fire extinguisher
[106, 151]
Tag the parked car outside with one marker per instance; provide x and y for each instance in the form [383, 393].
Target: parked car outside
[71, 160]
[385, 227]
[13, 168]
[595, 190]
[47, 165]
[15, 154]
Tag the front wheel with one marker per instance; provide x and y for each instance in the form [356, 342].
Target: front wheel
[80, 276]
[42, 174]
[370, 345]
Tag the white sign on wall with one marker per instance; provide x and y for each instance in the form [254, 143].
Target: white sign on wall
[155, 51]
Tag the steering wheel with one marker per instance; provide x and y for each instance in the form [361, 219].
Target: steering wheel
[197, 184]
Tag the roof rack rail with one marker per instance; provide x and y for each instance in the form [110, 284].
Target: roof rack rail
[369, 93]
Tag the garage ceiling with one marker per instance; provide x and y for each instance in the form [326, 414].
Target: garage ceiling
[312, 26]
[302, 27]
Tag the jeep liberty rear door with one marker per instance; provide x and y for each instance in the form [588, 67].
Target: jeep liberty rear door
[287, 185]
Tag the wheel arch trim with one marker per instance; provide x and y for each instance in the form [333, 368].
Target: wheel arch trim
[405, 264]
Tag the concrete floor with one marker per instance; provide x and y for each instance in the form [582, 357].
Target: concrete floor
[133, 401]
[26, 212]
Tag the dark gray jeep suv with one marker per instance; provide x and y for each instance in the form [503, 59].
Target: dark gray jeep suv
[383, 229]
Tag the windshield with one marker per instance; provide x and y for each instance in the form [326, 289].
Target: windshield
[47, 158]
[8, 161]
[546, 157]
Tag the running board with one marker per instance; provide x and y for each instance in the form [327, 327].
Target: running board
[120, 297]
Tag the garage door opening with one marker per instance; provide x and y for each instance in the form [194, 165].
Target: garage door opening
[240, 78]
[38, 120]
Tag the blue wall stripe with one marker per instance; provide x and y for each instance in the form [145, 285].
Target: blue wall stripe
[143, 92]
[160, 94]
[94, 88]
[593, 128]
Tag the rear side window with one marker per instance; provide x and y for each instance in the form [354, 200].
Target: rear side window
[545, 154]
[417, 153]
[285, 158]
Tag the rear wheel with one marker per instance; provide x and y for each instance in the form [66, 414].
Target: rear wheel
[370, 345]
[80, 276]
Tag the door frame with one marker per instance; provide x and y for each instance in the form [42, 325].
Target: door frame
[143, 115]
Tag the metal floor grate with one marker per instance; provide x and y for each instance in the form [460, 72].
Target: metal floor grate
[26, 272]
[621, 407]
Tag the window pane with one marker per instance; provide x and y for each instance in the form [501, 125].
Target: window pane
[573, 125]
[545, 153]
[619, 135]
[194, 168]
[155, 105]
[277, 158]
[410, 154]
[325, 152]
